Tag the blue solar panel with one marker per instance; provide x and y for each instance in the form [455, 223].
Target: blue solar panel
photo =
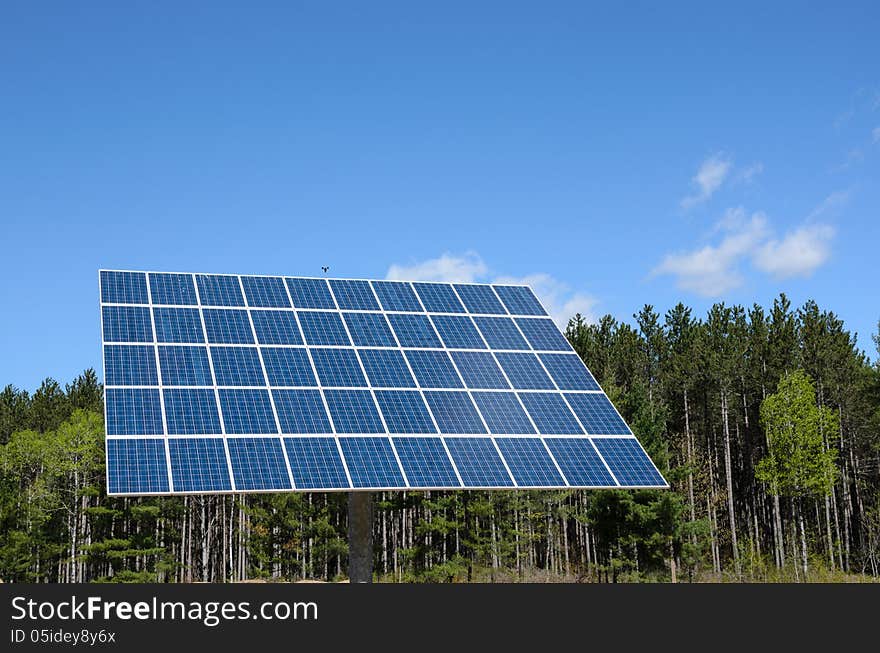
[321, 328]
[501, 333]
[524, 371]
[288, 366]
[520, 300]
[386, 368]
[354, 295]
[458, 332]
[133, 411]
[130, 365]
[414, 330]
[315, 463]
[628, 462]
[425, 462]
[136, 466]
[478, 462]
[479, 299]
[529, 462]
[127, 324]
[219, 290]
[404, 411]
[178, 325]
[199, 465]
[310, 293]
[301, 411]
[237, 366]
[338, 368]
[228, 326]
[569, 372]
[396, 296]
[371, 463]
[454, 412]
[353, 411]
[177, 289]
[265, 292]
[542, 334]
[550, 413]
[124, 287]
[503, 413]
[597, 414]
[182, 365]
[285, 357]
[369, 330]
[276, 327]
[479, 370]
[579, 462]
[438, 298]
[258, 464]
[191, 411]
[247, 411]
[433, 369]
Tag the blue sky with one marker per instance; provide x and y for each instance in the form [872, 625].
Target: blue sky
[612, 156]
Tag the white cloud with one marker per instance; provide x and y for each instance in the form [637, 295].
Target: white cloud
[875, 135]
[711, 174]
[447, 267]
[714, 269]
[830, 205]
[798, 254]
[748, 174]
[560, 300]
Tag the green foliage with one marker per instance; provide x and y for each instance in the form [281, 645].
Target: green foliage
[798, 462]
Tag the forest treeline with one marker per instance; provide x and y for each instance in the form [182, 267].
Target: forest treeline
[765, 422]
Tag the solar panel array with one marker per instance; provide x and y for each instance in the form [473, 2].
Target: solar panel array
[225, 383]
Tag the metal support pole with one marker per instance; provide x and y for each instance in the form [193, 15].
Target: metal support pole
[360, 537]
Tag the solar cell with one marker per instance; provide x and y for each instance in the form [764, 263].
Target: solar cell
[323, 328]
[219, 290]
[386, 368]
[130, 365]
[276, 327]
[479, 298]
[454, 412]
[136, 466]
[433, 369]
[369, 330]
[529, 462]
[371, 462]
[520, 300]
[258, 464]
[458, 332]
[579, 462]
[265, 292]
[354, 295]
[199, 465]
[597, 414]
[479, 370]
[178, 325]
[123, 287]
[438, 298]
[569, 372]
[315, 463]
[396, 296]
[174, 289]
[425, 462]
[386, 384]
[478, 462]
[404, 411]
[628, 462]
[310, 293]
[414, 330]
[228, 326]
[184, 365]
